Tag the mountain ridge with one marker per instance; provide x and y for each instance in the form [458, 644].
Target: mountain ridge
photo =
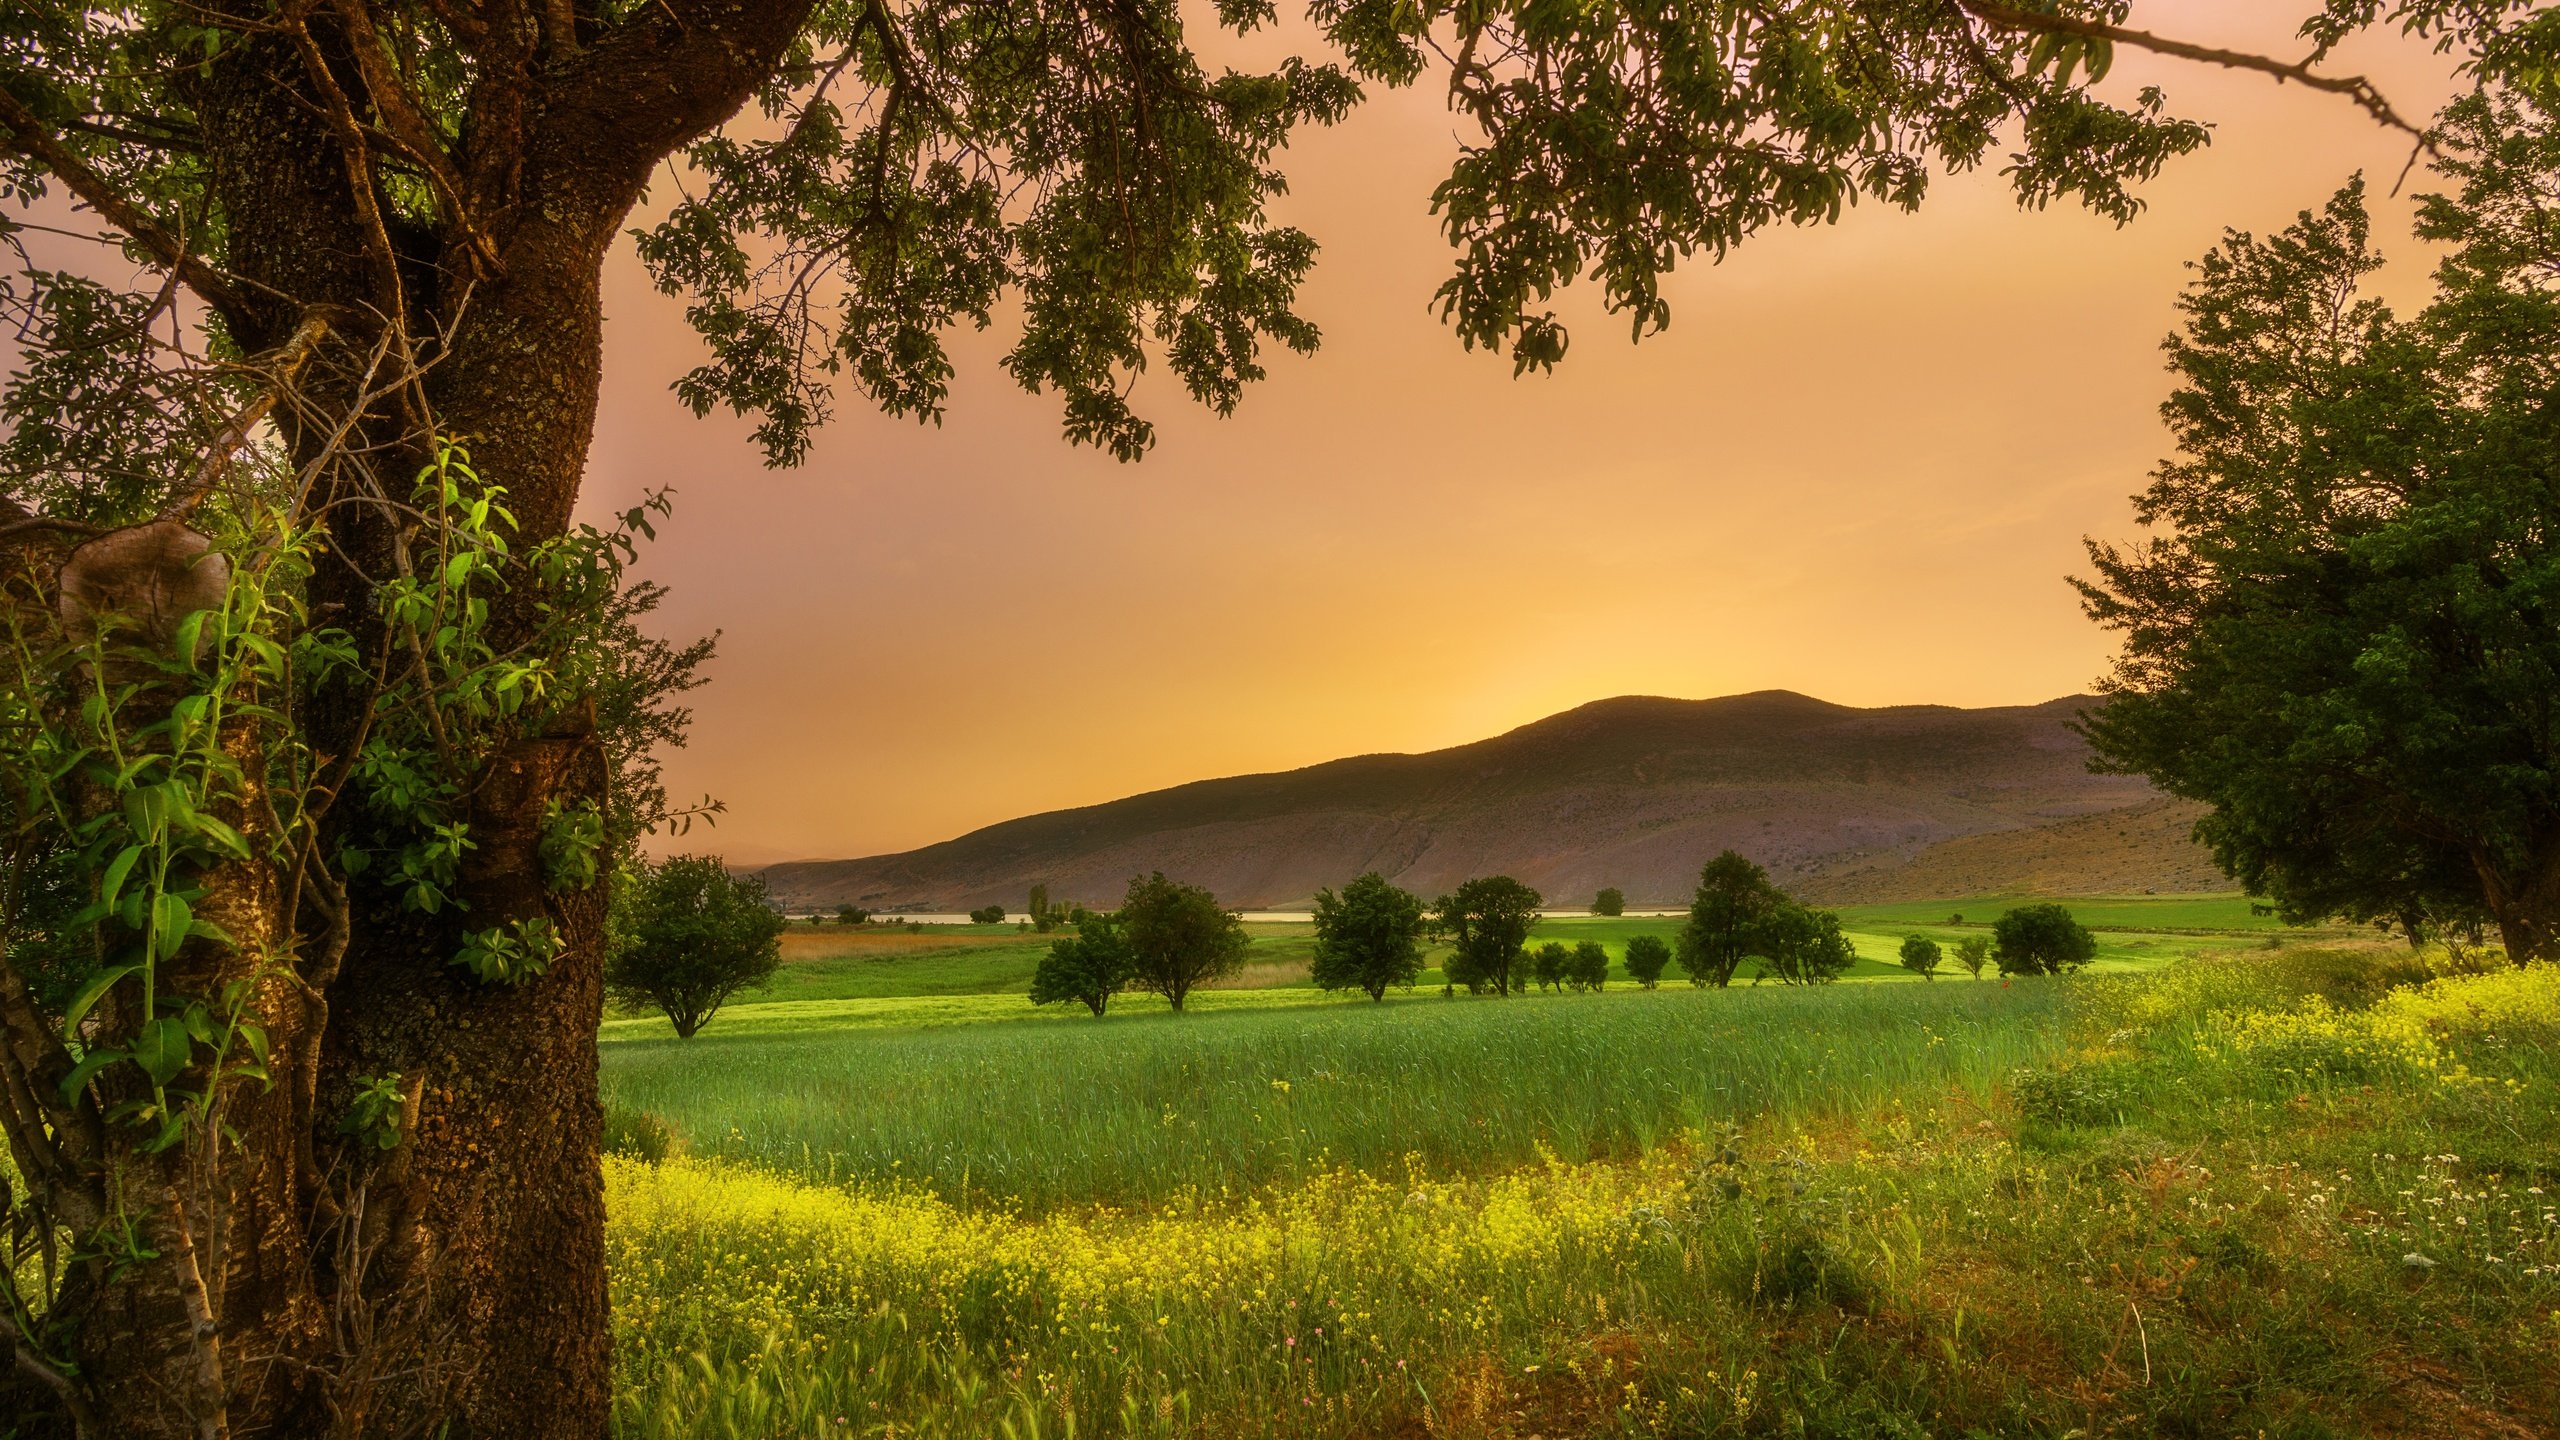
[1634, 791]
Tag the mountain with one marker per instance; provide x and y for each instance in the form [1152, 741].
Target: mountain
[1635, 792]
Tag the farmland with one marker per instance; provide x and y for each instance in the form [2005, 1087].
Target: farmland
[2178, 1193]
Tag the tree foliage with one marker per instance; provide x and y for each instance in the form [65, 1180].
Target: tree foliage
[2041, 940]
[1487, 921]
[1647, 957]
[1588, 970]
[1088, 967]
[987, 915]
[1972, 953]
[1178, 937]
[2340, 635]
[1804, 946]
[1368, 938]
[1921, 956]
[1734, 902]
[694, 936]
[1610, 901]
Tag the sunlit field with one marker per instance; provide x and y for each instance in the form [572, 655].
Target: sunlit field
[2208, 1188]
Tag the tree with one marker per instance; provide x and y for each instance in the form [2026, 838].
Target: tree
[1647, 957]
[1368, 938]
[1043, 919]
[696, 935]
[1088, 967]
[1548, 964]
[391, 218]
[1733, 905]
[1610, 901]
[1178, 938]
[1589, 968]
[1920, 956]
[1804, 946]
[1488, 921]
[2041, 940]
[852, 915]
[987, 915]
[2340, 637]
[1972, 952]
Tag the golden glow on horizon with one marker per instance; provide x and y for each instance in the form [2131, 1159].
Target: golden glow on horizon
[1858, 465]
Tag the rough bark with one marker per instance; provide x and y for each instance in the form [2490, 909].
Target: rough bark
[480, 1246]
[2527, 905]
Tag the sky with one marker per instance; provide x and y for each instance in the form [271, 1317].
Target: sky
[1859, 464]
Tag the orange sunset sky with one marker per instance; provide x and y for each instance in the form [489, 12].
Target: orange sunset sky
[1859, 465]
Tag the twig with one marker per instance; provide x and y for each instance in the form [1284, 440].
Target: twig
[2355, 87]
[28, 136]
[296, 353]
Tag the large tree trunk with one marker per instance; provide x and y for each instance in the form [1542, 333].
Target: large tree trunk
[302, 1286]
[2525, 902]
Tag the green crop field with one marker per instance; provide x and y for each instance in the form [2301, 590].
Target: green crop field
[2209, 1186]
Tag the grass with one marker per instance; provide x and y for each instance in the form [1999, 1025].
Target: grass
[2293, 1193]
[1139, 1109]
[897, 978]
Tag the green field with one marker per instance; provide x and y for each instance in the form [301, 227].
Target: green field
[966, 974]
[2179, 1193]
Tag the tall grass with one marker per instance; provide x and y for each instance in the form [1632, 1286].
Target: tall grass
[2321, 1219]
[1139, 1109]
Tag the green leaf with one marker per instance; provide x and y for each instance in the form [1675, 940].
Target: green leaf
[110, 884]
[161, 1049]
[87, 995]
[171, 919]
[90, 1064]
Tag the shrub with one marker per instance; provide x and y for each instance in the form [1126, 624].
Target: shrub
[2041, 940]
[1647, 957]
[1368, 937]
[690, 936]
[987, 915]
[1589, 967]
[638, 1135]
[1920, 956]
[1088, 967]
[852, 915]
[1549, 965]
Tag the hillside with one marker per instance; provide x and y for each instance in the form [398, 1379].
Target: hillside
[1634, 792]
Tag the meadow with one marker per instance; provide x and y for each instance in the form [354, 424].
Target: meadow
[2215, 1189]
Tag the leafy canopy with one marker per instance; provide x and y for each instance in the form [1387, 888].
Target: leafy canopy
[1088, 967]
[2341, 633]
[1487, 921]
[2041, 940]
[691, 935]
[1368, 938]
[1178, 937]
[1647, 957]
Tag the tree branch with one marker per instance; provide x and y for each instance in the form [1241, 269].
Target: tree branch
[2355, 87]
[408, 129]
[28, 136]
[287, 365]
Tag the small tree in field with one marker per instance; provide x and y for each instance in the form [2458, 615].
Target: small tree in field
[2041, 940]
[1547, 965]
[1647, 957]
[987, 915]
[1920, 956]
[1088, 967]
[1589, 968]
[1611, 901]
[1178, 937]
[1734, 905]
[1043, 919]
[1368, 937]
[852, 915]
[691, 936]
[1973, 952]
[1805, 946]
[1488, 923]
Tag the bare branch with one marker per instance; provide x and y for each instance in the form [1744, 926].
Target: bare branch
[288, 364]
[2355, 87]
[28, 136]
